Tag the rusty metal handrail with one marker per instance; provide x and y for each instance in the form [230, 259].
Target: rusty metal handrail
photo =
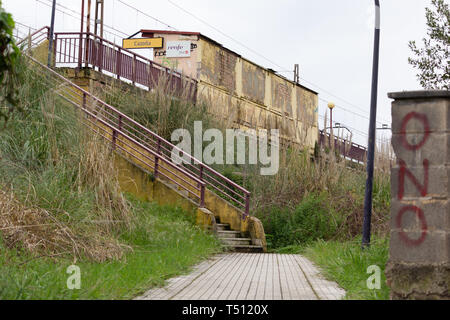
[87, 49]
[117, 133]
[360, 150]
[33, 34]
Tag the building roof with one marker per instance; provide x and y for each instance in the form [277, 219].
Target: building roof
[187, 33]
[151, 33]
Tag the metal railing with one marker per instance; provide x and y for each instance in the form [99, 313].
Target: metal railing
[112, 125]
[147, 147]
[34, 39]
[88, 50]
[347, 149]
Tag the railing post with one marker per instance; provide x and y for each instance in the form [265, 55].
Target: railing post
[98, 57]
[119, 63]
[80, 52]
[202, 196]
[115, 133]
[54, 50]
[84, 100]
[120, 122]
[100, 68]
[202, 187]
[158, 151]
[247, 204]
[201, 172]
[86, 58]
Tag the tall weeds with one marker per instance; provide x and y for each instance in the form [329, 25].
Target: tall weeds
[61, 174]
[316, 196]
[161, 109]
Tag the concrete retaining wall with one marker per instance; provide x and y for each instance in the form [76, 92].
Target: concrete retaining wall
[138, 181]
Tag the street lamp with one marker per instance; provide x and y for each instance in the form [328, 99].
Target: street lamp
[372, 133]
[331, 106]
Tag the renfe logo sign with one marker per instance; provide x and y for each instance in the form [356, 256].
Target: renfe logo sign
[178, 49]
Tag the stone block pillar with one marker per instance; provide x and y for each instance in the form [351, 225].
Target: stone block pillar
[419, 259]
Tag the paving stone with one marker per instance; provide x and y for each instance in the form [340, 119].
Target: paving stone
[250, 276]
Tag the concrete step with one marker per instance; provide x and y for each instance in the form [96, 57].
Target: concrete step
[228, 234]
[222, 226]
[236, 241]
[245, 248]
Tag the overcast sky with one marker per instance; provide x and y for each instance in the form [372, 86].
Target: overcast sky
[331, 40]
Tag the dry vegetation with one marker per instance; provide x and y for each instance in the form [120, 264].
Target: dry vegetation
[39, 232]
[316, 196]
[46, 148]
[60, 204]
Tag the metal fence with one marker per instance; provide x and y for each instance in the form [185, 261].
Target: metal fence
[88, 50]
[347, 149]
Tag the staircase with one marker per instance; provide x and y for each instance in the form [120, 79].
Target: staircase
[235, 240]
[194, 180]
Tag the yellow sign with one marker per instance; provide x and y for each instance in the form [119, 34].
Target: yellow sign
[143, 43]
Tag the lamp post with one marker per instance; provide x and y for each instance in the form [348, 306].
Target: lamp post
[372, 133]
[52, 30]
[331, 106]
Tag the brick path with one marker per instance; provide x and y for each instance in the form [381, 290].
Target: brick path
[250, 276]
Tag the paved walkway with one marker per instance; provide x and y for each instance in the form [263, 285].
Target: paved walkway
[250, 276]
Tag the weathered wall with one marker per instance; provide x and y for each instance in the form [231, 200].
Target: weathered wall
[136, 180]
[244, 94]
[250, 96]
[419, 261]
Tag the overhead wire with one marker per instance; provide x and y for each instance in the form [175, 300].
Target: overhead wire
[271, 61]
[146, 14]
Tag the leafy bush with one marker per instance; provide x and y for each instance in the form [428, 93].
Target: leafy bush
[9, 60]
[311, 220]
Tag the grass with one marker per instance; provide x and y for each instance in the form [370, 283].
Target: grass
[345, 263]
[60, 204]
[314, 204]
[165, 244]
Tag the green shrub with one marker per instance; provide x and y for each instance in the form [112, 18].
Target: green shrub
[311, 220]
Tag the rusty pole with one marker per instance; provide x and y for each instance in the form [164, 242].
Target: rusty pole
[96, 18]
[367, 224]
[99, 17]
[80, 50]
[88, 17]
[102, 17]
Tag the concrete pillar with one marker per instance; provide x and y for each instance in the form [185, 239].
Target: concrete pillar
[419, 259]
